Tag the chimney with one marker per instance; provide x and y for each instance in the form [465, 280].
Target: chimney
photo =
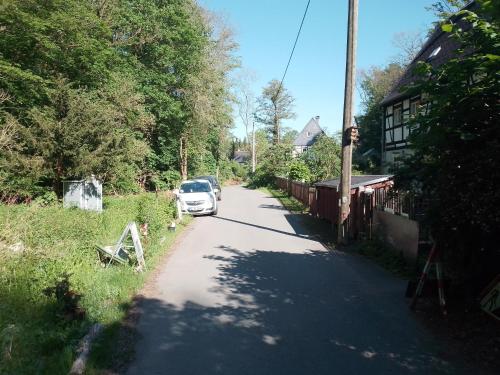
[317, 118]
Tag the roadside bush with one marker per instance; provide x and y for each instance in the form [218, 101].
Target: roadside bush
[274, 162]
[154, 212]
[172, 178]
[299, 171]
[46, 199]
[240, 171]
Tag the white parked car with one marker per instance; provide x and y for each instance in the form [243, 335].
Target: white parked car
[197, 197]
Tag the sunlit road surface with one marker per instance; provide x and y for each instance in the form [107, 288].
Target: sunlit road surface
[252, 292]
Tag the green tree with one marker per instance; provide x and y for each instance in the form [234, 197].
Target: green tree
[288, 135]
[323, 158]
[41, 41]
[80, 133]
[273, 106]
[456, 144]
[273, 162]
[374, 85]
[154, 73]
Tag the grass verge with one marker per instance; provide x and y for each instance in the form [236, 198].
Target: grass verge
[290, 203]
[38, 245]
[321, 230]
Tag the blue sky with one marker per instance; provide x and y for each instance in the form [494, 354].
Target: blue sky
[266, 29]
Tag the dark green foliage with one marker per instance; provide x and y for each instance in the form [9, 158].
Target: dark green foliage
[299, 171]
[456, 144]
[323, 158]
[239, 171]
[273, 162]
[152, 212]
[110, 88]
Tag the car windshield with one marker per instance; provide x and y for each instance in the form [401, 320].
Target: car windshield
[212, 180]
[195, 187]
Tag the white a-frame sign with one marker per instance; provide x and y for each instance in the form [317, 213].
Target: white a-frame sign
[120, 251]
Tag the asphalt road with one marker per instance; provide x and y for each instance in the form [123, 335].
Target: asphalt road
[249, 292]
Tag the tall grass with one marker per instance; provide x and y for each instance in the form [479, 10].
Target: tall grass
[37, 246]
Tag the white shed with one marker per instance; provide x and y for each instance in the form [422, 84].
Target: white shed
[84, 194]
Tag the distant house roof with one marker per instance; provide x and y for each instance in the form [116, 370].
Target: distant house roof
[438, 49]
[357, 181]
[241, 156]
[308, 135]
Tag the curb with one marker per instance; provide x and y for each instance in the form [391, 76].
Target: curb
[83, 352]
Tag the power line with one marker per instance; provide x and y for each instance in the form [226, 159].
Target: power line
[293, 49]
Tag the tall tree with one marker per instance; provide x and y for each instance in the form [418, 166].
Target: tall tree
[208, 95]
[246, 110]
[323, 158]
[153, 73]
[275, 105]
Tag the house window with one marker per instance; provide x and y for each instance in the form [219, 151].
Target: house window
[308, 134]
[398, 134]
[389, 136]
[396, 163]
[414, 107]
[397, 116]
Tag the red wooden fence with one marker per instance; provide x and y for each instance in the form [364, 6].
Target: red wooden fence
[323, 202]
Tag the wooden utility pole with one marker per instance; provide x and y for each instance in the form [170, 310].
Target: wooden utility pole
[254, 159]
[347, 127]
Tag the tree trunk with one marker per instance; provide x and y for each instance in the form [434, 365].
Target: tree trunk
[183, 155]
[56, 184]
[276, 125]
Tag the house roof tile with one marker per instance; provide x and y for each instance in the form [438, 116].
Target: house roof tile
[356, 181]
[308, 135]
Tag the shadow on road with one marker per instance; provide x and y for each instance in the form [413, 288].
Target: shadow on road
[273, 207]
[285, 313]
[305, 235]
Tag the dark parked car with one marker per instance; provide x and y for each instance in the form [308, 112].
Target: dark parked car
[215, 185]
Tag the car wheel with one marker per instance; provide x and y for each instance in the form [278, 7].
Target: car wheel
[219, 198]
[215, 211]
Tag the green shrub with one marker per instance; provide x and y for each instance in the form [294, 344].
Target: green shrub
[274, 162]
[46, 199]
[171, 178]
[299, 171]
[240, 171]
[154, 211]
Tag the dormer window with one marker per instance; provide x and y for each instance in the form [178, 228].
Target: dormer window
[434, 53]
